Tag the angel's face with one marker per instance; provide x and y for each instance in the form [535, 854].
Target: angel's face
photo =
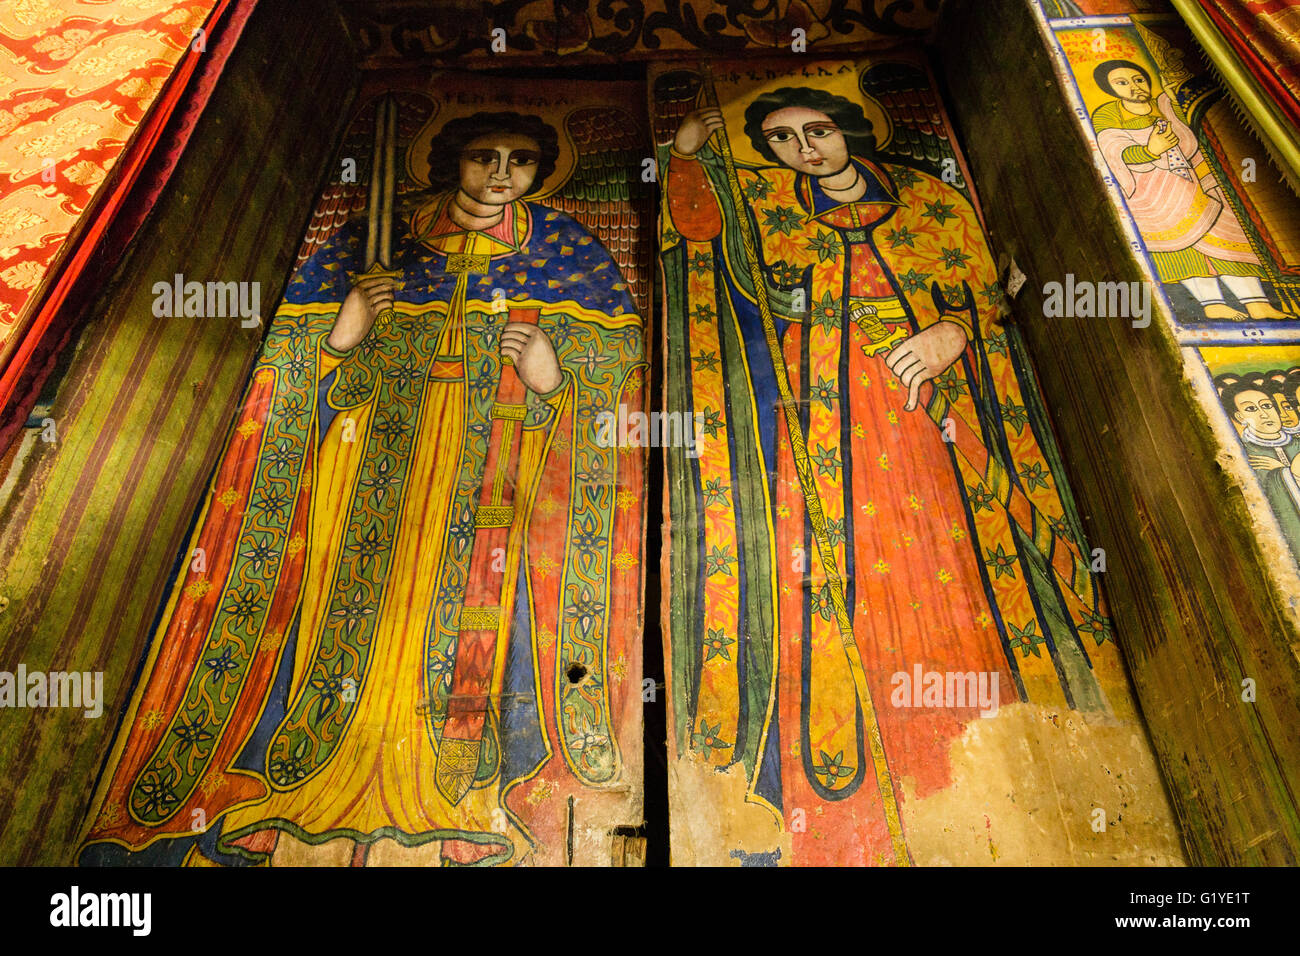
[498, 168]
[806, 140]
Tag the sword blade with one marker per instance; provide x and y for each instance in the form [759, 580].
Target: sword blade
[389, 181]
[376, 184]
[383, 185]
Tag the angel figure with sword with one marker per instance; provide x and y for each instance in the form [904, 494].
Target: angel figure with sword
[416, 667]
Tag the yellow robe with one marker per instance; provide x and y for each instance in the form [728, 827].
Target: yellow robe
[381, 779]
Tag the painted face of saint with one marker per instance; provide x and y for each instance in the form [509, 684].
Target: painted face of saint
[1286, 411]
[498, 168]
[1129, 84]
[1258, 411]
[806, 140]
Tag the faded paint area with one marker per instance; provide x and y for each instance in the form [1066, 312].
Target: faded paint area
[1025, 789]
[722, 828]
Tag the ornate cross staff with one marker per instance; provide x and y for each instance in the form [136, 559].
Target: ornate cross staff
[812, 502]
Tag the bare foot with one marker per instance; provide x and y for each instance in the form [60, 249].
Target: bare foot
[1223, 312]
[1264, 310]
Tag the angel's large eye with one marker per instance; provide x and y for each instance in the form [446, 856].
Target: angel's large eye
[779, 136]
[484, 156]
[819, 132]
[523, 157]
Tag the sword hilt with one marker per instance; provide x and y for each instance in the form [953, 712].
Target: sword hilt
[377, 271]
[880, 337]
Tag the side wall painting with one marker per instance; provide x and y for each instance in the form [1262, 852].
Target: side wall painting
[1212, 219]
[407, 627]
[1258, 388]
[879, 590]
[1081, 8]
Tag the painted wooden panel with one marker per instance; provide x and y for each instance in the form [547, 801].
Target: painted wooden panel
[1219, 230]
[406, 628]
[885, 631]
[1257, 387]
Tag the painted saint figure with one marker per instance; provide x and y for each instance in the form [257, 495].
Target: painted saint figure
[1186, 222]
[1282, 386]
[869, 267]
[411, 542]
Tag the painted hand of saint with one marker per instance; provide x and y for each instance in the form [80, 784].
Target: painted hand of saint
[368, 298]
[923, 356]
[696, 129]
[531, 352]
[1162, 140]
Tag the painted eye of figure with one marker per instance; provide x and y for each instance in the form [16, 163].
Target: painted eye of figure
[523, 159]
[779, 136]
[820, 132]
[485, 156]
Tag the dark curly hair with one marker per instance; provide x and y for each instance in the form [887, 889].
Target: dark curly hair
[445, 149]
[1229, 394]
[857, 130]
[1101, 75]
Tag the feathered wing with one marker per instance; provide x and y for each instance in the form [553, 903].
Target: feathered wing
[339, 202]
[920, 138]
[675, 94]
[219, 642]
[342, 200]
[600, 193]
[1036, 515]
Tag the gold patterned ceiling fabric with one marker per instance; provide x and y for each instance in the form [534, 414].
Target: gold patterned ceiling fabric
[76, 79]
